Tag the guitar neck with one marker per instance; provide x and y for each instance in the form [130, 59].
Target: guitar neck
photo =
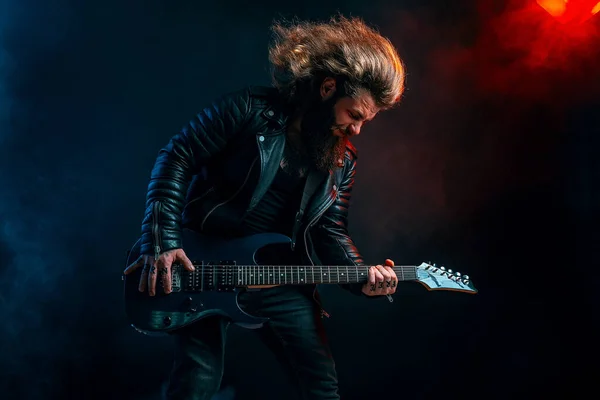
[247, 275]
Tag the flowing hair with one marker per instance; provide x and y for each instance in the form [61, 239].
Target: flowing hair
[302, 54]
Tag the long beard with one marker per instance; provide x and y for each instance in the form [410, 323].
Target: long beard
[323, 149]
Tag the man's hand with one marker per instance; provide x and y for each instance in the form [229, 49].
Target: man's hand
[162, 265]
[382, 280]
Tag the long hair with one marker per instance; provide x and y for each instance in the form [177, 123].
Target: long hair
[302, 54]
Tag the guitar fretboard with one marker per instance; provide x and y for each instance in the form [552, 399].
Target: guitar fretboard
[300, 275]
[250, 275]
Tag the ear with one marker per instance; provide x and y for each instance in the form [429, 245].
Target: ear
[327, 88]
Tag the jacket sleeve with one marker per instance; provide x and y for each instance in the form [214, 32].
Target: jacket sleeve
[332, 243]
[183, 157]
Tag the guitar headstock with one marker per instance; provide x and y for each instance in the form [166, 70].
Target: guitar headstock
[440, 278]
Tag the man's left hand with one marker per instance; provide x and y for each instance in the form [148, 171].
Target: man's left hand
[382, 280]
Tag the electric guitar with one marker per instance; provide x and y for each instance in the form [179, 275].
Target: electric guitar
[232, 265]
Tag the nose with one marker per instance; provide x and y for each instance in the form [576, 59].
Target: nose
[354, 129]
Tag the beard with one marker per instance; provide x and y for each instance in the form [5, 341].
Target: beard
[323, 149]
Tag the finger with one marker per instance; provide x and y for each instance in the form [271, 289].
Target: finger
[372, 275]
[134, 265]
[383, 271]
[379, 279]
[394, 285]
[389, 263]
[165, 276]
[371, 279]
[144, 277]
[165, 272]
[152, 276]
[391, 273]
[393, 282]
[187, 264]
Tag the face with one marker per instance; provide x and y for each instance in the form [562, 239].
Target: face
[329, 124]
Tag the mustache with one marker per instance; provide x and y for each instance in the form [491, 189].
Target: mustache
[341, 129]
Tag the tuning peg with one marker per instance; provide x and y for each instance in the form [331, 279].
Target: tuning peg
[449, 271]
[466, 277]
[443, 268]
[457, 274]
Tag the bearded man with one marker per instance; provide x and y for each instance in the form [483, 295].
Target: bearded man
[242, 166]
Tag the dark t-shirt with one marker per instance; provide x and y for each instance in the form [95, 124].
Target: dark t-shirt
[277, 209]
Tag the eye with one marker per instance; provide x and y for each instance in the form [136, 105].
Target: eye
[354, 116]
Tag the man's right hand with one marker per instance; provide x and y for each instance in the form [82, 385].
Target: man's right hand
[162, 267]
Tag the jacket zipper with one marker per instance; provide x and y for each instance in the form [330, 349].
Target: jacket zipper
[156, 206]
[230, 198]
[323, 312]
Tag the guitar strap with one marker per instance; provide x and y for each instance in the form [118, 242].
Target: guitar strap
[313, 180]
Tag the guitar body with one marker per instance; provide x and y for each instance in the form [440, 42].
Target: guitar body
[203, 293]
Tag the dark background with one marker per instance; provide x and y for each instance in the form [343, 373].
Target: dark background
[489, 166]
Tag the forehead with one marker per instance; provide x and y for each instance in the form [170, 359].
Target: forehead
[363, 102]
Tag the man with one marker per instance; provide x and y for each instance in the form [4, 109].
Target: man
[241, 167]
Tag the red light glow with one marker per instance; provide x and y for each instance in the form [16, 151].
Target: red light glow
[570, 11]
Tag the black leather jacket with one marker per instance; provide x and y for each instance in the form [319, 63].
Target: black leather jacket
[222, 163]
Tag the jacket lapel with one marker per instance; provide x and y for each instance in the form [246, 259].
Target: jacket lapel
[270, 148]
[323, 197]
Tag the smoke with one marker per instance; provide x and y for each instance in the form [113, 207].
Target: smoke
[31, 268]
[485, 92]
[525, 53]
[48, 228]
